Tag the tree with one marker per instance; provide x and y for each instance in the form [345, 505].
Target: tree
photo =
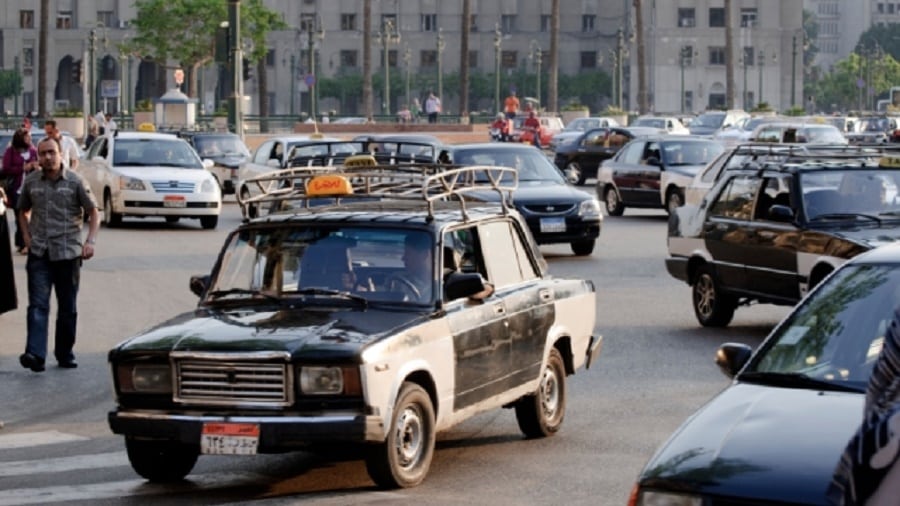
[464, 60]
[42, 59]
[185, 31]
[643, 102]
[553, 63]
[368, 109]
[10, 85]
[729, 54]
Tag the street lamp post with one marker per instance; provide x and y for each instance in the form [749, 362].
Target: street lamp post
[293, 83]
[685, 56]
[537, 54]
[621, 52]
[440, 70]
[761, 63]
[794, 71]
[313, 33]
[745, 61]
[235, 101]
[498, 40]
[385, 37]
[18, 88]
[407, 61]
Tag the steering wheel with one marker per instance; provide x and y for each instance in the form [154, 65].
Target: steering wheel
[406, 286]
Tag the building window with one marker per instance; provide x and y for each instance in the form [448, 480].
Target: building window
[587, 22]
[428, 58]
[588, 59]
[686, 18]
[880, 8]
[389, 18]
[28, 57]
[748, 17]
[688, 100]
[392, 58]
[270, 58]
[64, 20]
[473, 24]
[348, 58]
[428, 23]
[108, 18]
[308, 22]
[509, 59]
[545, 23]
[26, 19]
[473, 59]
[348, 22]
[749, 56]
[890, 8]
[717, 56]
[716, 17]
[508, 23]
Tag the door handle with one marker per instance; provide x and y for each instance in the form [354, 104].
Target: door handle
[766, 235]
[499, 309]
[545, 295]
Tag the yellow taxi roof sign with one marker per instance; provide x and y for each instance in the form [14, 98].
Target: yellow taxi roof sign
[146, 127]
[329, 185]
[892, 162]
[360, 161]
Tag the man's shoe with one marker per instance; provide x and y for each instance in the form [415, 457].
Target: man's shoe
[71, 364]
[32, 362]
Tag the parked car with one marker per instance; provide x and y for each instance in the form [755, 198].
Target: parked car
[556, 211]
[801, 133]
[653, 172]
[712, 122]
[873, 130]
[670, 124]
[227, 151]
[770, 233]
[271, 155]
[578, 126]
[550, 126]
[743, 130]
[149, 174]
[347, 323]
[776, 433]
[579, 158]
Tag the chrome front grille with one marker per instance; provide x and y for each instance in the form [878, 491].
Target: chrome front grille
[257, 380]
[549, 209]
[173, 186]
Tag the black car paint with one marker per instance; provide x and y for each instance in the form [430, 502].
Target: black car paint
[587, 155]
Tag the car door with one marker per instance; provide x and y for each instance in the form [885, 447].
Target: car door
[592, 149]
[647, 175]
[727, 230]
[772, 245]
[626, 171]
[480, 330]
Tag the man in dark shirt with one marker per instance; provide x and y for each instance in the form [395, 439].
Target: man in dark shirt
[57, 199]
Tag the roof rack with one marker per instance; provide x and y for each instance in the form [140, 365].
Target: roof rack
[328, 153]
[361, 179]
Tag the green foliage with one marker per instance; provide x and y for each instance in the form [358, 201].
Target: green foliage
[795, 111]
[10, 83]
[71, 112]
[762, 107]
[144, 105]
[838, 89]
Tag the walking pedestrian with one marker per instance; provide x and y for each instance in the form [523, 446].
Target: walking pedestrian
[9, 300]
[69, 148]
[511, 105]
[58, 198]
[432, 107]
[19, 159]
[416, 110]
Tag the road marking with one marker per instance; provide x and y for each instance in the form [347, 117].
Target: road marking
[26, 439]
[126, 488]
[63, 464]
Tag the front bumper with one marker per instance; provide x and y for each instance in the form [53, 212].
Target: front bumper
[678, 268]
[577, 229]
[276, 433]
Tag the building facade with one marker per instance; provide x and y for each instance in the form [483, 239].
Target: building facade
[686, 61]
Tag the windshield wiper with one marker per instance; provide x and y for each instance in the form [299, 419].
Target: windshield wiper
[243, 291]
[333, 293]
[797, 380]
[844, 216]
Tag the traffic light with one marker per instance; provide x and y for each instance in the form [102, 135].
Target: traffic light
[248, 70]
[77, 71]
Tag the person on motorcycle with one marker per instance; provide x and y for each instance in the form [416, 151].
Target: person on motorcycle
[533, 124]
[500, 128]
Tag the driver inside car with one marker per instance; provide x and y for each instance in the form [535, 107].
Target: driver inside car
[416, 279]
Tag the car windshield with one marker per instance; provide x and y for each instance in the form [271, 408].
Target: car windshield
[650, 122]
[824, 134]
[212, 146]
[712, 119]
[690, 152]
[844, 194]
[836, 334]
[345, 263]
[155, 152]
[532, 165]
[874, 125]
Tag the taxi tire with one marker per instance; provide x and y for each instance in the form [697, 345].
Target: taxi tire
[541, 413]
[209, 222]
[583, 248]
[711, 307]
[110, 218]
[612, 201]
[574, 173]
[161, 461]
[252, 211]
[404, 458]
[674, 200]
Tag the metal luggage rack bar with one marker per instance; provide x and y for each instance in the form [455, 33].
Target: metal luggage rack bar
[815, 150]
[426, 183]
[329, 153]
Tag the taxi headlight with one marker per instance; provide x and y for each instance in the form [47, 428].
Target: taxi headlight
[144, 378]
[589, 208]
[318, 380]
[649, 498]
[131, 183]
[207, 186]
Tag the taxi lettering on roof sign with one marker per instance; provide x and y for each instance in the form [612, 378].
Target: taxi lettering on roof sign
[329, 185]
[889, 161]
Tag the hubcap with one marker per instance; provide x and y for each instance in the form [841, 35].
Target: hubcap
[408, 437]
[612, 200]
[573, 172]
[549, 394]
[705, 295]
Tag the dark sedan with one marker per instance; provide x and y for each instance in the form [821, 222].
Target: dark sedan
[556, 211]
[775, 435]
[580, 158]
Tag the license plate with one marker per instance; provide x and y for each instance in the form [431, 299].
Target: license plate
[551, 225]
[174, 201]
[229, 439]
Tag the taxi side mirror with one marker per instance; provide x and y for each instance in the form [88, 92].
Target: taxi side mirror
[780, 213]
[199, 284]
[731, 358]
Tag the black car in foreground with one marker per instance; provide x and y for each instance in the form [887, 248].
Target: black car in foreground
[580, 158]
[776, 433]
[770, 232]
[556, 211]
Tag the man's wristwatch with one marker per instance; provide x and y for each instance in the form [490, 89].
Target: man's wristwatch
[91, 241]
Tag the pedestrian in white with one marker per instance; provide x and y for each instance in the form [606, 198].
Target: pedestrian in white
[111, 125]
[100, 118]
[432, 107]
[68, 148]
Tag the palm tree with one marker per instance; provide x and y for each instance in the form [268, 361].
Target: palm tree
[368, 110]
[464, 62]
[729, 55]
[643, 102]
[553, 60]
[42, 59]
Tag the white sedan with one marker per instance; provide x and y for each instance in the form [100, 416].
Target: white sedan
[143, 174]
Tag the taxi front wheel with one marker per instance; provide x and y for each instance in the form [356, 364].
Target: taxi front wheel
[712, 307]
[403, 459]
[541, 413]
[161, 461]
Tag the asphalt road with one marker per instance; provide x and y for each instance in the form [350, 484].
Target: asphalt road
[656, 367]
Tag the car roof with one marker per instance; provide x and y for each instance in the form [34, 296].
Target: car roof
[886, 254]
[144, 135]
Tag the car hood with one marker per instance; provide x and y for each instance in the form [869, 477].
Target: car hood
[157, 173]
[308, 332]
[534, 192]
[702, 130]
[872, 236]
[760, 442]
